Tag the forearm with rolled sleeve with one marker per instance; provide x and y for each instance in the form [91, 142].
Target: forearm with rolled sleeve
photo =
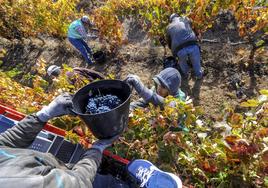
[23, 134]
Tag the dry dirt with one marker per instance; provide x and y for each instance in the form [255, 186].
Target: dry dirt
[221, 61]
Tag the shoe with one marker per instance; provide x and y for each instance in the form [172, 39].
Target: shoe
[149, 176]
[89, 65]
[199, 77]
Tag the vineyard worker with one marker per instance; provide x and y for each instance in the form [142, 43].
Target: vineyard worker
[77, 34]
[167, 82]
[89, 74]
[25, 168]
[182, 41]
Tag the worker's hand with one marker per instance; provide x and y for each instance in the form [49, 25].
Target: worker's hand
[61, 105]
[101, 145]
[144, 92]
[132, 80]
[91, 37]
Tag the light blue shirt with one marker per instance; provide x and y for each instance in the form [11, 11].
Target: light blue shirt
[77, 30]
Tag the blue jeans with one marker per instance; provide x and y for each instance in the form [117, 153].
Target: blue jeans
[193, 53]
[82, 46]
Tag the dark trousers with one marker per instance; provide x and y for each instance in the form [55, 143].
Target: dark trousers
[82, 46]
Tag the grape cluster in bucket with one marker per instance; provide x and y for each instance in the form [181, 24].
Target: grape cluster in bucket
[102, 103]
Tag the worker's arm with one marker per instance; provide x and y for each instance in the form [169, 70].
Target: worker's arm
[197, 34]
[89, 73]
[80, 176]
[156, 99]
[24, 133]
[83, 172]
[138, 104]
[145, 93]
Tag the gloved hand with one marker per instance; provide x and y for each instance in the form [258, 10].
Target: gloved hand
[91, 36]
[133, 80]
[101, 145]
[144, 92]
[61, 105]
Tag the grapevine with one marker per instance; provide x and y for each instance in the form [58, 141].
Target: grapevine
[205, 155]
[31, 18]
[212, 152]
[153, 16]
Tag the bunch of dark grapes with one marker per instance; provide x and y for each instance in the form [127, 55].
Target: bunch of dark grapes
[100, 104]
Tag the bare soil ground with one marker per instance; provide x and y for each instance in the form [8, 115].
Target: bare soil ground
[221, 61]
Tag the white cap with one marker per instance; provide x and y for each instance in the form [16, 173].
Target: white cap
[172, 16]
[51, 69]
[85, 19]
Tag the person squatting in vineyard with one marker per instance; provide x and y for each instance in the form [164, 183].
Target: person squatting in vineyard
[167, 82]
[78, 73]
[77, 34]
[182, 41]
[21, 167]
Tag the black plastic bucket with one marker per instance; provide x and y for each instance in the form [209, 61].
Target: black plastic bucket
[107, 124]
[99, 56]
[170, 61]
